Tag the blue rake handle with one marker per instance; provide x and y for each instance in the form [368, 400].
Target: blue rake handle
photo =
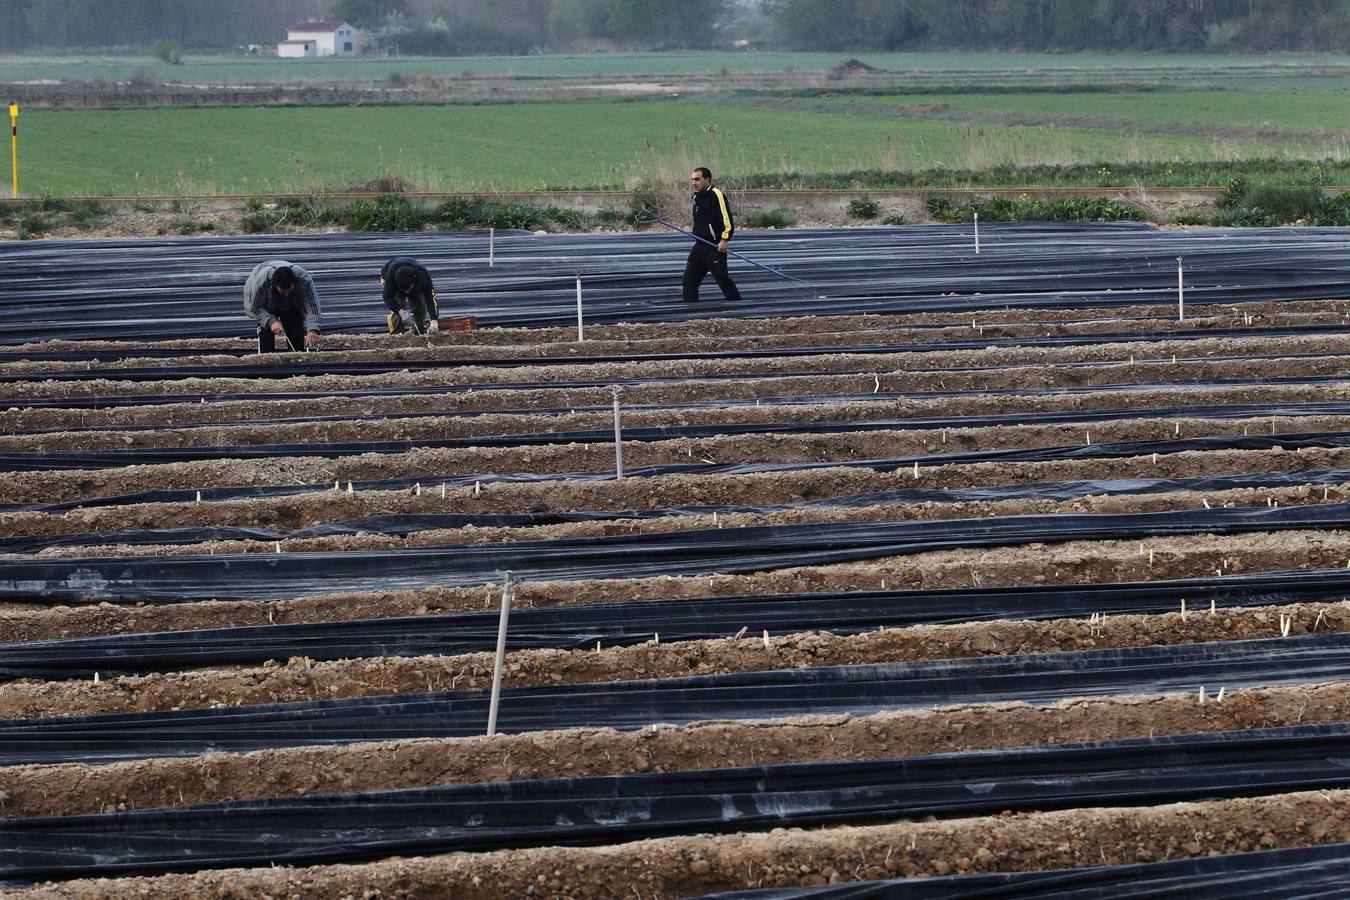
[737, 255]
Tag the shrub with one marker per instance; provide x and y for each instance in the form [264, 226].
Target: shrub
[894, 220]
[518, 215]
[259, 222]
[47, 203]
[1256, 205]
[33, 225]
[388, 212]
[459, 213]
[1332, 210]
[1008, 209]
[169, 52]
[864, 208]
[569, 219]
[774, 218]
[191, 226]
[144, 81]
[608, 215]
[647, 203]
[310, 211]
[86, 215]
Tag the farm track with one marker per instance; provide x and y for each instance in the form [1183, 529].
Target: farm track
[1152, 371]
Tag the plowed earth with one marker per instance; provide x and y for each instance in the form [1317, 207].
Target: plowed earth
[1151, 372]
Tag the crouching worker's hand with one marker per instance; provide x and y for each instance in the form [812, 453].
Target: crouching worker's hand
[433, 326]
[407, 317]
[276, 327]
[311, 340]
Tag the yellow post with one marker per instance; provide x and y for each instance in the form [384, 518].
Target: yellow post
[14, 144]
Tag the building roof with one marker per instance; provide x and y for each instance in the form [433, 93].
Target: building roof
[305, 41]
[321, 26]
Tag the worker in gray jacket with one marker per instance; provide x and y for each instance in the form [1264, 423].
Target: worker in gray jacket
[281, 298]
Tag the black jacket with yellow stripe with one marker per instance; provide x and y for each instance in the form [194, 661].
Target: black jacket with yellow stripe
[712, 215]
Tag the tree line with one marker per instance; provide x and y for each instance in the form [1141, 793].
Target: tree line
[450, 27]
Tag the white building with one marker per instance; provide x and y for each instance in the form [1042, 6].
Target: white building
[320, 39]
[296, 49]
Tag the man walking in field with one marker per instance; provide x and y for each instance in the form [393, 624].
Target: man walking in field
[280, 297]
[713, 223]
[409, 296]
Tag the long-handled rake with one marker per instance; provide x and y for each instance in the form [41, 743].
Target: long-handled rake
[798, 283]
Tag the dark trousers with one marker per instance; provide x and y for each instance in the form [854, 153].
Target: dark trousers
[293, 321]
[702, 260]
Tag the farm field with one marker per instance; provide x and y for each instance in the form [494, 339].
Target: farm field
[1318, 112]
[211, 70]
[537, 146]
[923, 512]
[485, 124]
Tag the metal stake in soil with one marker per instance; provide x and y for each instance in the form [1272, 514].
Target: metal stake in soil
[977, 234]
[581, 326]
[492, 247]
[1181, 293]
[508, 588]
[618, 435]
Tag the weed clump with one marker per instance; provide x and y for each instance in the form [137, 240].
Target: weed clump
[1009, 209]
[773, 218]
[459, 213]
[33, 225]
[864, 208]
[1247, 205]
[646, 204]
[388, 212]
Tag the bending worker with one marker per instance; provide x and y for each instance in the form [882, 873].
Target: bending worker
[712, 222]
[280, 297]
[409, 295]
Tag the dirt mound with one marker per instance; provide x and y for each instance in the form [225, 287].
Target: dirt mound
[851, 66]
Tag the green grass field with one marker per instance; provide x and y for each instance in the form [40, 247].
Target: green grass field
[531, 146]
[1321, 111]
[1139, 109]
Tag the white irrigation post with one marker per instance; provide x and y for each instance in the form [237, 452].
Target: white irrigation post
[1181, 292]
[618, 435]
[581, 327]
[508, 588]
[492, 246]
[977, 234]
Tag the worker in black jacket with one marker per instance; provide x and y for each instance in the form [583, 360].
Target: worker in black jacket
[712, 222]
[409, 296]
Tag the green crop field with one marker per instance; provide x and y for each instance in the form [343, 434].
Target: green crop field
[983, 111]
[1321, 111]
[530, 146]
